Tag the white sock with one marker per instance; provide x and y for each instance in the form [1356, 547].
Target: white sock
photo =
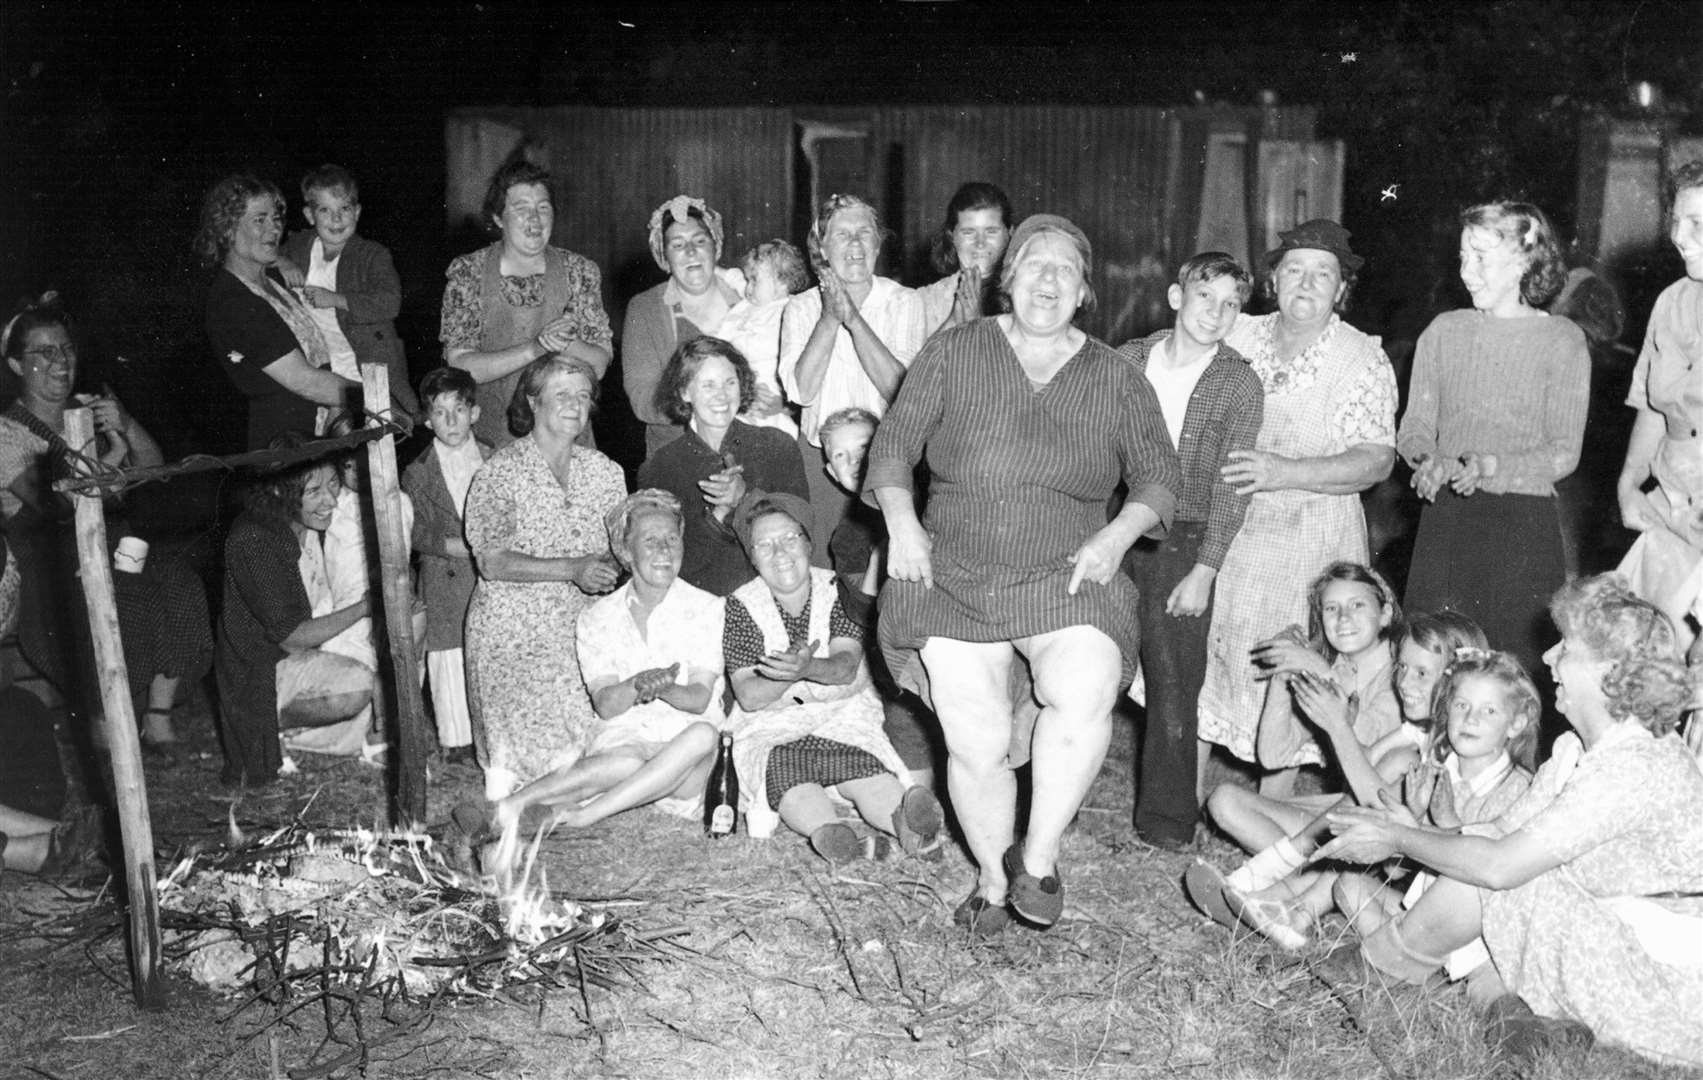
[1266, 868]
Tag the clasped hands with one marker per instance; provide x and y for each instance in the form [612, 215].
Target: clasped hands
[788, 666]
[650, 684]
[1465, 474]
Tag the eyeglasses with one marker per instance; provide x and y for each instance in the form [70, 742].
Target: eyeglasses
[52, 356]
[791, 543]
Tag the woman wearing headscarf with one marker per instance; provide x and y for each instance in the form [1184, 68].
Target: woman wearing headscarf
[685, 240]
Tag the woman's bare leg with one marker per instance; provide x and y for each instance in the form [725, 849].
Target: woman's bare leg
[971, 686]
[877, 798]
[681, 769]
[1076, 673]
[571, 784]
[805, 808]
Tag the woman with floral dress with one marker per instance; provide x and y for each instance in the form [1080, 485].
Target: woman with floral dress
[1328, 434]
[521, 299]
[1589, 890]
[535, 526]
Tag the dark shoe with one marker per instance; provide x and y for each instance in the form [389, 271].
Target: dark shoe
[1038, 900]
[837, 843]
[1519, 1036]
[917, 823]
[981, 917]
[472, 819]
[1205, 888]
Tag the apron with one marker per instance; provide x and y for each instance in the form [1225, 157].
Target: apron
[503, 326]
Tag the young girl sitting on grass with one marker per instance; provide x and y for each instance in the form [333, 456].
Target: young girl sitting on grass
[1477, 764]
[1286, 832]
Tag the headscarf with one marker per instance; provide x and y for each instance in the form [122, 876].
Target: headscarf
[679, 208]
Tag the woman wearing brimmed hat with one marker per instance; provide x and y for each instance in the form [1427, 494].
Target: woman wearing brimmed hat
[1028, 425]
[1328, 434]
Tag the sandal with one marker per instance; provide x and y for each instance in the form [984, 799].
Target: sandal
[981, 916]
[917, 823]
[1205, 888]
[837, 843]
[1040, 900]
[375, 755]
[1271, 919]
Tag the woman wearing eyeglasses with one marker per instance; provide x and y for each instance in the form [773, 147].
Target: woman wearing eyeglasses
[162, 610]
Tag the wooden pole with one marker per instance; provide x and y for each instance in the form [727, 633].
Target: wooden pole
[123, 744]
[408, 808]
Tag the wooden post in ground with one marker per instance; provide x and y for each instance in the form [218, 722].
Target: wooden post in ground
[408, 806]
[123, 744]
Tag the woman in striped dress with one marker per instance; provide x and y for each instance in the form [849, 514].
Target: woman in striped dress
[1028, 425]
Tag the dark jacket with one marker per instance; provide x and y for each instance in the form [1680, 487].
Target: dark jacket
[367, 279]
[446, 581]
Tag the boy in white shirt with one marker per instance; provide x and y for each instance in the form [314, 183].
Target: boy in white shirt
[1213, 405]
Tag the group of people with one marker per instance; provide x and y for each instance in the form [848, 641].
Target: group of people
[876, 522]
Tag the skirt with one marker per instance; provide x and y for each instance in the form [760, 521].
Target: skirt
[815, 760]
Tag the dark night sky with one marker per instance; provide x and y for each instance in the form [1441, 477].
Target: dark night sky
[117, 117]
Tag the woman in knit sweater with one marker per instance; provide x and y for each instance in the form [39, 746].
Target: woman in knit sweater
[1495, 416]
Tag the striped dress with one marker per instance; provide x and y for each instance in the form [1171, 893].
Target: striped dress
[1020, 475]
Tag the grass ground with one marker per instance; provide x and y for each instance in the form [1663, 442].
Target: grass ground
[789, 970]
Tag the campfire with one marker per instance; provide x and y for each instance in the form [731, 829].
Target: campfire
[386, 911]
[373, 930]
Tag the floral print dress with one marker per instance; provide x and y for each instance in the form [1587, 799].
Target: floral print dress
[531, 712]
[1339, 393]
[1613, 937]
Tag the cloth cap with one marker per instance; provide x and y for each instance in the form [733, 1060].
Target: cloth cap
[1319, 234]
[1036, 224]
[759, 503]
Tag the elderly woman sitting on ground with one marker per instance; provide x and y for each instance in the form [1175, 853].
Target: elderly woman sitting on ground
[1590, 896]
[650, 653]
[808, 718]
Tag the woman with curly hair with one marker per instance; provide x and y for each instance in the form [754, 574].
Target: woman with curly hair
[1591, 898]
[718, 460]
[263, 336]
[1495, 417]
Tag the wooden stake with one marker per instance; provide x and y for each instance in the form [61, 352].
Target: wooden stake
[123, 744]
[408, 808]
